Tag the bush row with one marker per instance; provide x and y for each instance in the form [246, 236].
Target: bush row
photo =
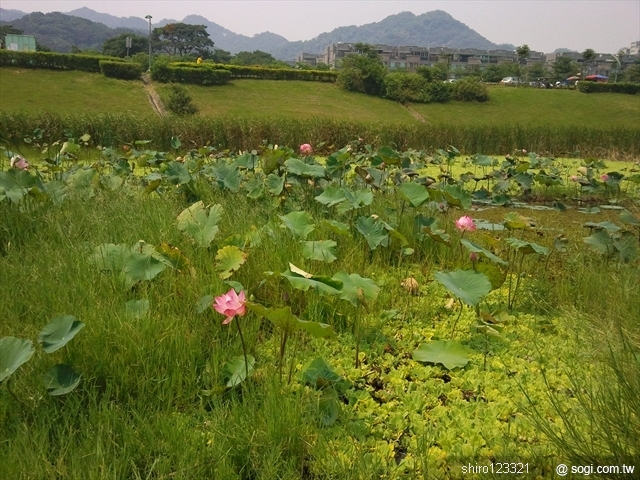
[121, 70]
[54, 61]
[266, 73]
[411, 87]
[189, 73]
[241, 133]
[599, 87]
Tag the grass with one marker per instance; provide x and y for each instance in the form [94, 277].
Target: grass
[291, 99]
[538, 107]
[39, 91]
[151, 403]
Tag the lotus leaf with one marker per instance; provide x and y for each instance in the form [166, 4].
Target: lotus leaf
[58, 332]
[60, 380]
[450, 353]
[13, 353]
[467, 285]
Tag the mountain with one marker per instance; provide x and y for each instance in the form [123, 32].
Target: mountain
[60, 32]
[135, 23]
[87, 29]
[10, 15]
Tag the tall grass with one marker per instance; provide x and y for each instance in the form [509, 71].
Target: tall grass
[243, 133]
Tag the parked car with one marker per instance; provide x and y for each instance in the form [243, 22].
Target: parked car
[510, 81]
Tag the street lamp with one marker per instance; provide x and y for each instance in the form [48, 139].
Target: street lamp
[148, 17]
[618, 69]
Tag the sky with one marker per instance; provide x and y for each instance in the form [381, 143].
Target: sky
[544, 25]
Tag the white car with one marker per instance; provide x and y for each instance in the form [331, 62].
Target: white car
[510, 81]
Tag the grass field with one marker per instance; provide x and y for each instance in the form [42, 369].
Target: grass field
[69, 92]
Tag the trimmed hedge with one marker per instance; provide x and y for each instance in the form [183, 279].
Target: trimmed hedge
[406, 87]
[266, 73]
[189, 73]
[121, 70]
[53, 61]
[586, 86]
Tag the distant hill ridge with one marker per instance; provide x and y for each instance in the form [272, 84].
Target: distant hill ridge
[59, 31]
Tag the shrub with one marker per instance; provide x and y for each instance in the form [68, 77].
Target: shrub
[406, 87]
[121, 70]
[180, 102]
[440, 92]
[189, 73]
[599, 87]
[54, 61]
[470, 89]
[362, 73]
[270, 73]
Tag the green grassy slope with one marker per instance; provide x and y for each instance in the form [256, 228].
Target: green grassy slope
[539, 107]
[69, 92]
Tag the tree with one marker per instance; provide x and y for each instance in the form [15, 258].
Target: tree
[587, 56]
[181, 39]
[537, 71]
[363, 72]
[563, 68]
[117, 46]
[432, 74]
[497, 71]
[256, 57]
[523, 52]
[632, 72]
[220, 56]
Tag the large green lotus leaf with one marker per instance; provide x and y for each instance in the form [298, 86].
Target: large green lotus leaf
[372, 230]
[298, 167]
[606, 225]
[199, 223]
[473, 247]
[439, 236]
[255, 187]
[300, 224]
[174, 257]
[495, 274]
[627, 217]
[177, 173]
[467, 285]
[13, 353]
[284, 319]
[303, 281]
[331, 196]
[61, 380]
[515, 221]
[627, 246]
[323, 250]
[141, 266]
[481, 160]
[354, 200]
[57, 191]
[328, 408]
[274, 184]
[356, 289]
[12, 186]
[235, 371]
[547, 180]
[137, 308]
[338, 227]
[449, 353]
[59, 332]
[600, 241]
[82, 180]
[229, 259]
[458, 196]
[320, 375]
[527, 248]
[227, 176]
[110, 257]
[414, 193]
[389, 155]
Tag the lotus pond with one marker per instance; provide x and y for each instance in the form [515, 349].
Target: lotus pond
[368, 313]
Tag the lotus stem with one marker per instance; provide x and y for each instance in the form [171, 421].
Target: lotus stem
[453, 329]
[244, 350]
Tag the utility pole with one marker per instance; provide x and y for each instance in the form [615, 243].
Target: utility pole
[148, 17]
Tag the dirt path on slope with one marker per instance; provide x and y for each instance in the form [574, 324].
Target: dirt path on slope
[413, 113]
[154, 98]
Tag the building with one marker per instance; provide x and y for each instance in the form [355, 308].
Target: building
[634, 49]
[312, 59]
[20, 43]
[411, 57]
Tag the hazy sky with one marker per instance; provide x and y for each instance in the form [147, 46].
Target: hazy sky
[544, 25]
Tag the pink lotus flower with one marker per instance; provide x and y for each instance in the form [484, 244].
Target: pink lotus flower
[305, 149]
[604, 177]
[574, 178]
[465, 223]
[230, 304]
[473, 256]
[19, 162]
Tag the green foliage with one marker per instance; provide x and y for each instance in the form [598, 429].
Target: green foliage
[564, 68]
[602, 87]
[229, 259]
[449, 353]
[117, 46]
[200, 223]
[235, 370]
[59, 332]
[253, 58]
[470, 89]
[52, 61]
[13, 353]
[432, 74]
[362, 73]
[203, 74]
[180, 102]
[181, 39]
[121, 70]
[440, 92]
[60, 380]
[406, 87]
[469, 286]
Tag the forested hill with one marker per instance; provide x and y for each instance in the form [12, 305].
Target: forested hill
[59, 32]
